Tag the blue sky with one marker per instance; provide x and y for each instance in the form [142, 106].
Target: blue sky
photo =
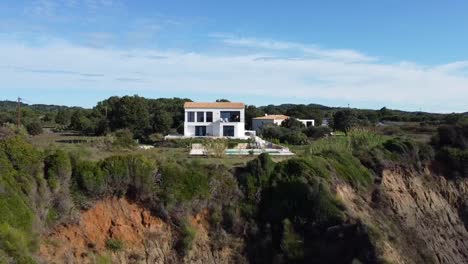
[408, 55]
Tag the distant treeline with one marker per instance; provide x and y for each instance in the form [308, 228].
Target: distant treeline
[148, 117]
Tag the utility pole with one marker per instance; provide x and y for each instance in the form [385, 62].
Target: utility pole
[18, 117]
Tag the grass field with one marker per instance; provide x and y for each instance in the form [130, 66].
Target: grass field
[95, 148]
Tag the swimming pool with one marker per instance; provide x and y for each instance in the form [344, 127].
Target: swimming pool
[257, 152]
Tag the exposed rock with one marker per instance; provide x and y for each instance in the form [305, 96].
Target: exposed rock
[145, 238]
[412, 218]
[418, 215]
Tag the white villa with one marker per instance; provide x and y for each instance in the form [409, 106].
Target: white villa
[220, 119]
[259, 122]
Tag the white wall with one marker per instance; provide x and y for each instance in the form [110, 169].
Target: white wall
[214, 128]
[304, 121]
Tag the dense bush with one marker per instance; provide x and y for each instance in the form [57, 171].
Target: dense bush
[292, 123]
[124, 139]
[90, 178]
[183, 182]
[34, 128]
[452, 136]
[295, 209]
[344, 120]
[456, 161]
[24, 198]
[117, 175]
[349, 168]
[317, 132]
[15, 245]
[451, 143]
[187, 233]
[57, 170]
[284, 135]
[294, 138]
[291, 243]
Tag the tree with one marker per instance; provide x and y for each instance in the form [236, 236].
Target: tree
[344, 120]
[222, 100]
[34, 128]
[251, 111]
[127, 112]
[292, 123]
[48, 117]
[162, 122]
[453, 118]
[384, 111]
[63, 117]
[294, 137]
[273, 132]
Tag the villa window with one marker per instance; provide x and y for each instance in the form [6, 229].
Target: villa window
[209, 116]
[201, 117]
[190, 116]
[230, 116]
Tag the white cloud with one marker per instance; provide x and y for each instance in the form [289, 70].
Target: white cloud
[307, 50]
[61, 65]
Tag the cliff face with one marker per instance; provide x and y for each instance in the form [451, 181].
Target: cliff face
[414, 217]
[418, 217]
[145, 238]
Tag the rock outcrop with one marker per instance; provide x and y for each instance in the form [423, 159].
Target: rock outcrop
[413, 217]
[418, 217]
[145, 238]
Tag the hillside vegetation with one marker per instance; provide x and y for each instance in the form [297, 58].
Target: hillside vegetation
[368, 194]
[292, 211]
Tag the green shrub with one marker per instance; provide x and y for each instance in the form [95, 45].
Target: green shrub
[296, 198]
[294, 138]
[317, 132]
[184, 182]
[188, 234]
[258, 172]
[142, 172]
[34, 128]
[57, 169]
[16, 157]
[114, 245]
[16, 244]
[455, 159]
[216, 218]
[52, 216]
[292, 244]
[349, 168]
[90, 177]
[103, 259]
[117, 174]
[124, 139]
[405, 151]
[216, 147]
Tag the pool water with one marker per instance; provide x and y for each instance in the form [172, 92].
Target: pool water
[250, 151]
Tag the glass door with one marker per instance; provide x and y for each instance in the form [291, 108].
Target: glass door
[200, 131]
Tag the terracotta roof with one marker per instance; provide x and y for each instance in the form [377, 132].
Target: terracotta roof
[217, 105]
[272, 117]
